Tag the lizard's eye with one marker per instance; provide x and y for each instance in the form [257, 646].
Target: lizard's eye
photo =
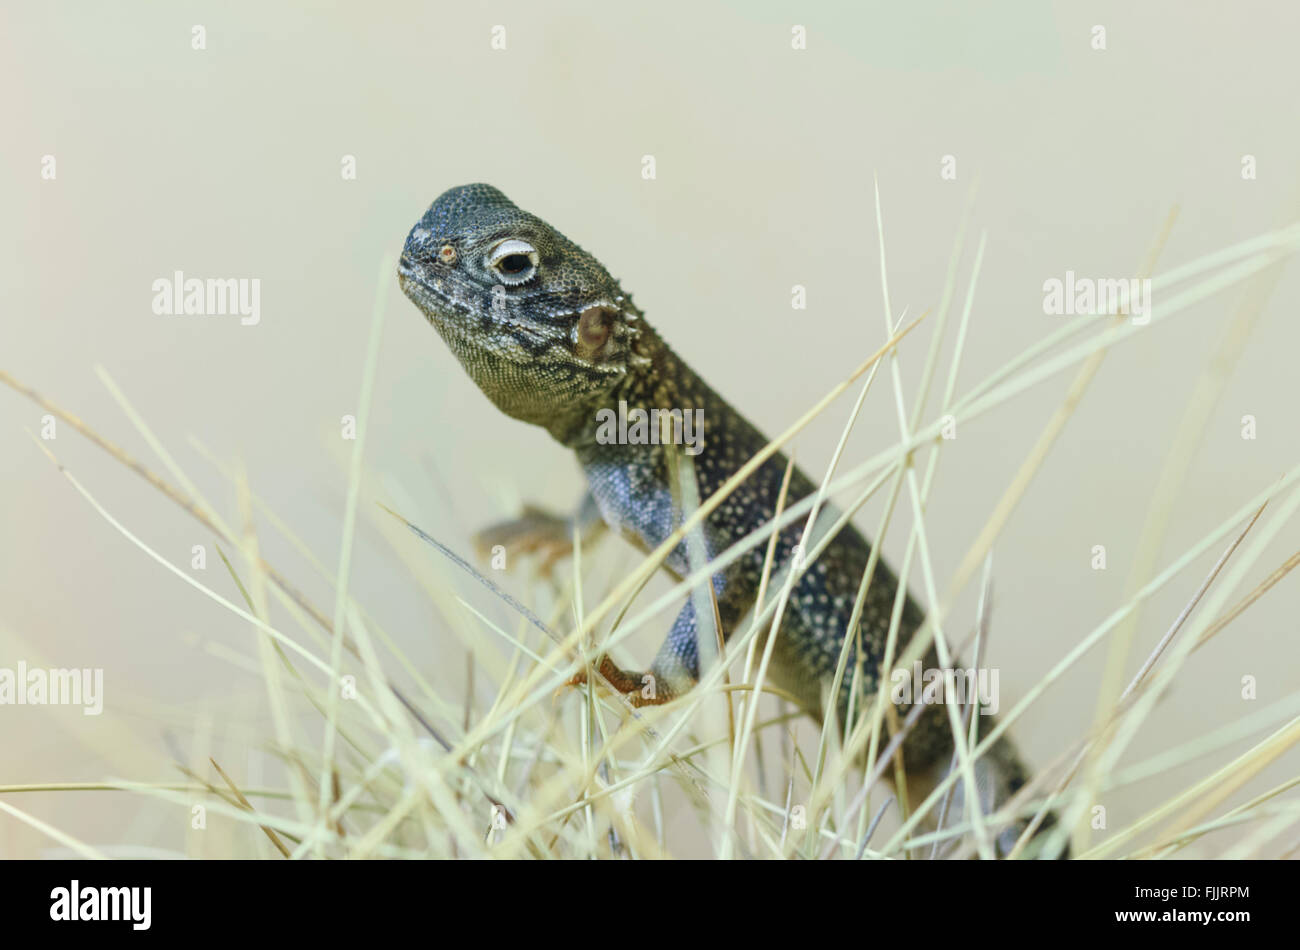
[514, 260]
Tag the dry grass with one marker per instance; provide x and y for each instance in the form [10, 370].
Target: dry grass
[374, 762]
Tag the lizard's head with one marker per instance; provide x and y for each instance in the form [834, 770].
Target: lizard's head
[535, 320]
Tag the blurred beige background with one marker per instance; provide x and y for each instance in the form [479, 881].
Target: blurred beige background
[225, 162]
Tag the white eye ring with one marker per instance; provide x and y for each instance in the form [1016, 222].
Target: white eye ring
[515, 261]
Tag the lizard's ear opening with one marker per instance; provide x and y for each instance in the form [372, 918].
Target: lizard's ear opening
[595, 328]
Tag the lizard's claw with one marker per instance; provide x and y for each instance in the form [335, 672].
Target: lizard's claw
[638, 688]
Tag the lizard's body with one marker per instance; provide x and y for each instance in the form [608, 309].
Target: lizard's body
[551, 338]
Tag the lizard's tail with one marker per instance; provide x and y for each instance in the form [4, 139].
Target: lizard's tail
[999, 774]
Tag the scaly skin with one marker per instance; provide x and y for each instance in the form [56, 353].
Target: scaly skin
[550, 337]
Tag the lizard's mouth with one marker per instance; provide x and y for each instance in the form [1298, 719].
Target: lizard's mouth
[455, 310]
[478, 333]
[408, 275]
[437, 299]
[444, 300]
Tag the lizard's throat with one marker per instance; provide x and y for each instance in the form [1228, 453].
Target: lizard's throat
[552, 399]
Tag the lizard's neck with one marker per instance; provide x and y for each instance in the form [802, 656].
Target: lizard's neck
[657, 379]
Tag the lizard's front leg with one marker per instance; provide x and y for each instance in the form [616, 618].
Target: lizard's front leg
[537, 531]
[676, 667]
[639, 688]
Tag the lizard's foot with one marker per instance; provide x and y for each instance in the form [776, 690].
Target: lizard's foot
[534, 532]
[641, 689]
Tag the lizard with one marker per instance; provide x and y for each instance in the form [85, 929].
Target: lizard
[552, 340]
